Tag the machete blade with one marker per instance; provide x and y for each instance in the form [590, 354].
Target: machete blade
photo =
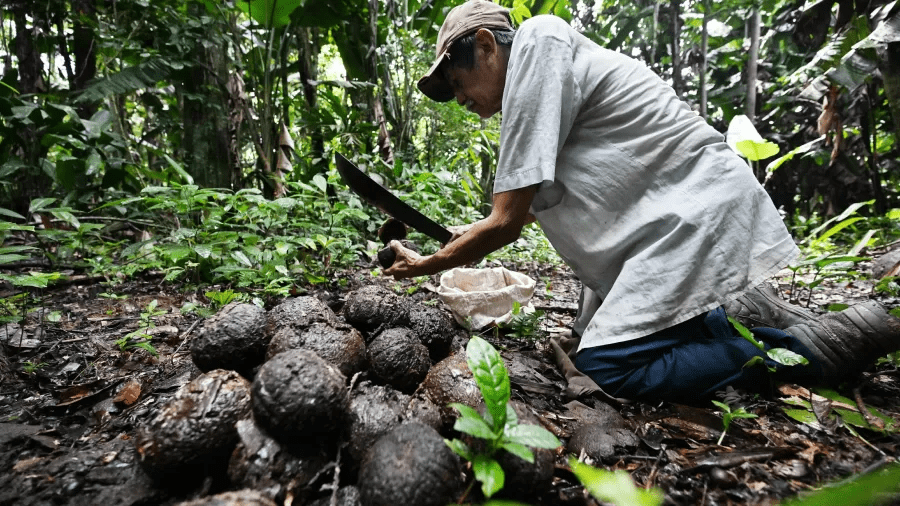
[380, 197]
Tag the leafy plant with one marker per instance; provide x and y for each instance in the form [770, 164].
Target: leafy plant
[782, 356]
[524, 324]
[221, 299]
[108, 295]
[150, 312]
[30, 367]
[887, 286]
[139, 338]
[498, 428]
[613, 487]
[729, 414]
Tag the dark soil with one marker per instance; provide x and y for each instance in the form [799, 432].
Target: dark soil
[72, 401]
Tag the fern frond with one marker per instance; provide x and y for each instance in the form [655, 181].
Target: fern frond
[134, 78]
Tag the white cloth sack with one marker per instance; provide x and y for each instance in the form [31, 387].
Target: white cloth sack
[481, 297]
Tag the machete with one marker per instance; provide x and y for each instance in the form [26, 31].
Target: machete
[379, 196]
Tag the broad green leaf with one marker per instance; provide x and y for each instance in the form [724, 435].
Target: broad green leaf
[320, 182]
[474, 426]
[746, 334]
[533, 435]
[5, 259]
[242, 258]
[786, 357]
[32, 279]
[801, 415]
[757, 360]
[802, 149]
[11, 214]
[491, 376]
[889, 423]
[489, 473]
[465, 410]
[837, 228]
[614, 487]
[40, 203]
[6, 226]
[460, 448]
[67, 217]
[270, 13]
[520, 451]
[203, 250]
[851, 209]
[176, 252]
[872, 488]
[17, 249]
[743, 138]
[179, 169]
[755, 151]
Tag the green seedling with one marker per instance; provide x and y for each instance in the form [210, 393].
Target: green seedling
[524, 325]
[31, 367]
[499, 427]
[137, 339]
[221, 299]
[782, 356]
[112, 296]
[729, 414]
[150, 312]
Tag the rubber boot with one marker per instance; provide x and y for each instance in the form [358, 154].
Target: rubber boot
[763, 307]
[849, 341]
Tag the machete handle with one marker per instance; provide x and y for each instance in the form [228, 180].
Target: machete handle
[386, 256]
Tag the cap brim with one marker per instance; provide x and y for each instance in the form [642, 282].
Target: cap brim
[433, 84]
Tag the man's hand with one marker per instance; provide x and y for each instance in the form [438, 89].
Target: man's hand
[405, 263]
[472, 242]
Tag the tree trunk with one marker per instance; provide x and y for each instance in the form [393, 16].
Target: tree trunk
[384, 137]
[677, 81]
[704, 48]
[85, 49]
[309, 47]
[32, 182]
[890, 71]
[869, 133]
[753, 29]
[205, 143]
[30, 66]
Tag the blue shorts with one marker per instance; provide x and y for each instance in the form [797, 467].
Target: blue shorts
[692, 360]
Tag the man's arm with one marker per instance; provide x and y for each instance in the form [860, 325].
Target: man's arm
[504, 225]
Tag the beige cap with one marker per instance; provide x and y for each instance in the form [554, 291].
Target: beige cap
[461, 20]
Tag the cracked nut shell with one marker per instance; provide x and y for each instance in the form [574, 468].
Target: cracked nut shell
[198, 423]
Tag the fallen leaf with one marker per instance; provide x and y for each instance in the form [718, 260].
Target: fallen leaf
[805, 394]
[23, 465]
[757, 486]
[129, 393]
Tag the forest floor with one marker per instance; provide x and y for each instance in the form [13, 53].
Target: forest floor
[72, 398]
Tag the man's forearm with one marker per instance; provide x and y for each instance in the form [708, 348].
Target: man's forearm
[482, 239]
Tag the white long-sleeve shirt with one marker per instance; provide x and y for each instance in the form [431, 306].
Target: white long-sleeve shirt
[638, 194]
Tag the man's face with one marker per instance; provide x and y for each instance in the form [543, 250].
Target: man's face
[480, 89]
